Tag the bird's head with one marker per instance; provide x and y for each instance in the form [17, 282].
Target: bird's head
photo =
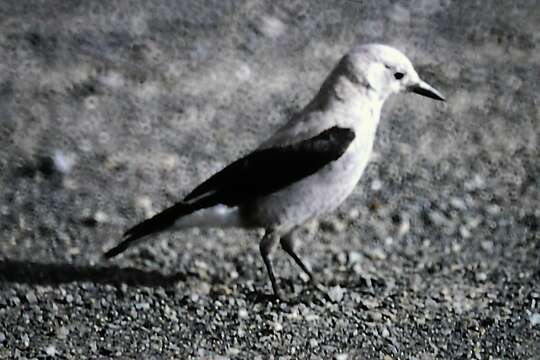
[386, 71]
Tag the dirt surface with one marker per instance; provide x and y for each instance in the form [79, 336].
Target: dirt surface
[112, 110]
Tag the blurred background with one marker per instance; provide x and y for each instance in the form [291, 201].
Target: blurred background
[110, 111]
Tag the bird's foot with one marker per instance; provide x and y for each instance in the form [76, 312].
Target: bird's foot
[279, 297]
[286, 299]
[316, 285]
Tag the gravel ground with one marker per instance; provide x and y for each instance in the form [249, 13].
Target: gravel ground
[112, 110]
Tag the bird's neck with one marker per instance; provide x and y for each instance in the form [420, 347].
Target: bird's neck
[353, 104]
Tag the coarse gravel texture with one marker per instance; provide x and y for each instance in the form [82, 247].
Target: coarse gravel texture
[112, 110]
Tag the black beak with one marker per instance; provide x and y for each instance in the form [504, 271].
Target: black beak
[424, 89]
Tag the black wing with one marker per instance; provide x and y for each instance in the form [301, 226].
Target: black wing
[268, 170]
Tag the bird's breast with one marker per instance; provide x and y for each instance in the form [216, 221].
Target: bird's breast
[316, 194]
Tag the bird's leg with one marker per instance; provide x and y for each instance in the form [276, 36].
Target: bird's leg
[266, 247]
[287, 243]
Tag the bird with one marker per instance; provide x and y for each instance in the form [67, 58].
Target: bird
[307, 168]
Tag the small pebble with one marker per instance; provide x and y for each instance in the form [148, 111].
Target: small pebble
[342, 258]
[534, 318]
[25, 341]
[62, 332]
[487, 245]
[15, 301]
[277, 326]
[51, 350]
[493, 209]
[169, 161]
[375, 316]
[375, 254]
[354, 213]
[63, 163]
[243, 314]
[31, 297]
[354, 257]
[476, 183]
[458, 203]
[481, 276]
[437, 218]
[336, 293]
[271, 27]
[404, 227]
[101, 217]
[142, 306]
[369, 304]
[376, 185]
[145, 204]
[464, 232]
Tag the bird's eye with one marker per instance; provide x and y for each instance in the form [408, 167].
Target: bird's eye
[398, 75]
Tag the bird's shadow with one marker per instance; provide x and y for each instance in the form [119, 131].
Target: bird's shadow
[41, 273]
[37, 273]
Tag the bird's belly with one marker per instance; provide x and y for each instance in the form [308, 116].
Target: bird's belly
[312, 196]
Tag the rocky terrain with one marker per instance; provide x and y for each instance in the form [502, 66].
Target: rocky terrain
[110, 111]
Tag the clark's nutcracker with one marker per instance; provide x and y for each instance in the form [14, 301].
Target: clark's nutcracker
[307, 168]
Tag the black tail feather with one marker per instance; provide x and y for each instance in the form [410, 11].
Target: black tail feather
[118, 248]
[155, 224]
